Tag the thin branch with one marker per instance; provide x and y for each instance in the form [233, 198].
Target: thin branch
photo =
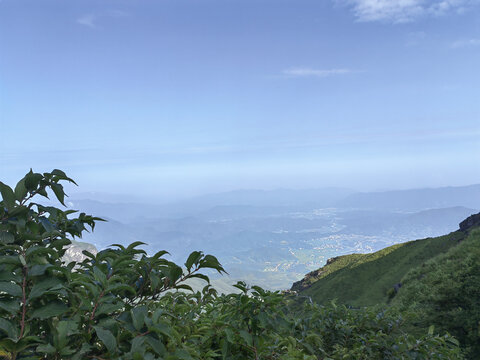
[24, 300]
[92, 315]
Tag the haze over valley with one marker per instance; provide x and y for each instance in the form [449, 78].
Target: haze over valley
[273, 238]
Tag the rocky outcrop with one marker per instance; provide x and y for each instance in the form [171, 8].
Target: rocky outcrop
[312, 276]
[333, 259]
[470, 222]
[397, 287]
[307, 280]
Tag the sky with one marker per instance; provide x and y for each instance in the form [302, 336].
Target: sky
[176, 98]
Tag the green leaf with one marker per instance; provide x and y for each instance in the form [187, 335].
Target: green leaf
[242, 286]
[155, 280]
[88, 254]
[47, 285]
[210, 261]
[135, 244]
[108, 308]
[10, 306]
[20, 190]
[6, 237]
[230, 336]
[32, 180]
[200, 276]
[62, 175]
[182, 354]
[65, 329]
[107, 338]
[59, 192]
[49, 310]
[37, 270]
[8, 196]
[9, 276]
[120, 287]
[184, 286]
[174, 272]
[138, 316]
[18, 211]
[246, 336]
[40, 250]
[10, 288]
[11, 259]
[454, 341]
[156, 345]
[47, 225]
[138, 345]
[80, 352]
[160, 254]
[25, 342]
[59, 173]
[99, 276]
[46, 349]
[60, 244]
[10, 329]
[162, 328]
[193, 258]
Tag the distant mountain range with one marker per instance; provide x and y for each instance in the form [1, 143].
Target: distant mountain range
[273, 238]
[415, 200]
[126, 207]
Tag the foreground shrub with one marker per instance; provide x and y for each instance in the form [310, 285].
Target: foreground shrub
[124, 304]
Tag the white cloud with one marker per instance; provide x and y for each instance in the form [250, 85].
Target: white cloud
[87, 20]
[401, 11]
[466, 43]
[309, 72]
[90, 20]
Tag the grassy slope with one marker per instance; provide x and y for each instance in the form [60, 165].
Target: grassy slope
[445, 292]
[365, 279]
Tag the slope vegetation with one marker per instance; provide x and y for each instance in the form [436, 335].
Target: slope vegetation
[370, 279]
[434, 283]
[445, 292]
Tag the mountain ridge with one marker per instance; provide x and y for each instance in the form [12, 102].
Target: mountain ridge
[344, 278]
[415, 199]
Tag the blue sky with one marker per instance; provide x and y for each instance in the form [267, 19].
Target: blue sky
[183, 97]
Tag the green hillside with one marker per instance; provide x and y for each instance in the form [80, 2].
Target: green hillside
[445, 292]
[433, 283]
[369, 279]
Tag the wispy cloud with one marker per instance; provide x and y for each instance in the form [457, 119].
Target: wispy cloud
[466, 43]
[309, 72]
[401, 11]
[87, 20]
[90, 20]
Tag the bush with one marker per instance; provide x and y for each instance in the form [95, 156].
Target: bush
[125, 304]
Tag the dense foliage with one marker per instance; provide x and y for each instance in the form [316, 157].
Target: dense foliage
[445, 292]
[125, 304]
